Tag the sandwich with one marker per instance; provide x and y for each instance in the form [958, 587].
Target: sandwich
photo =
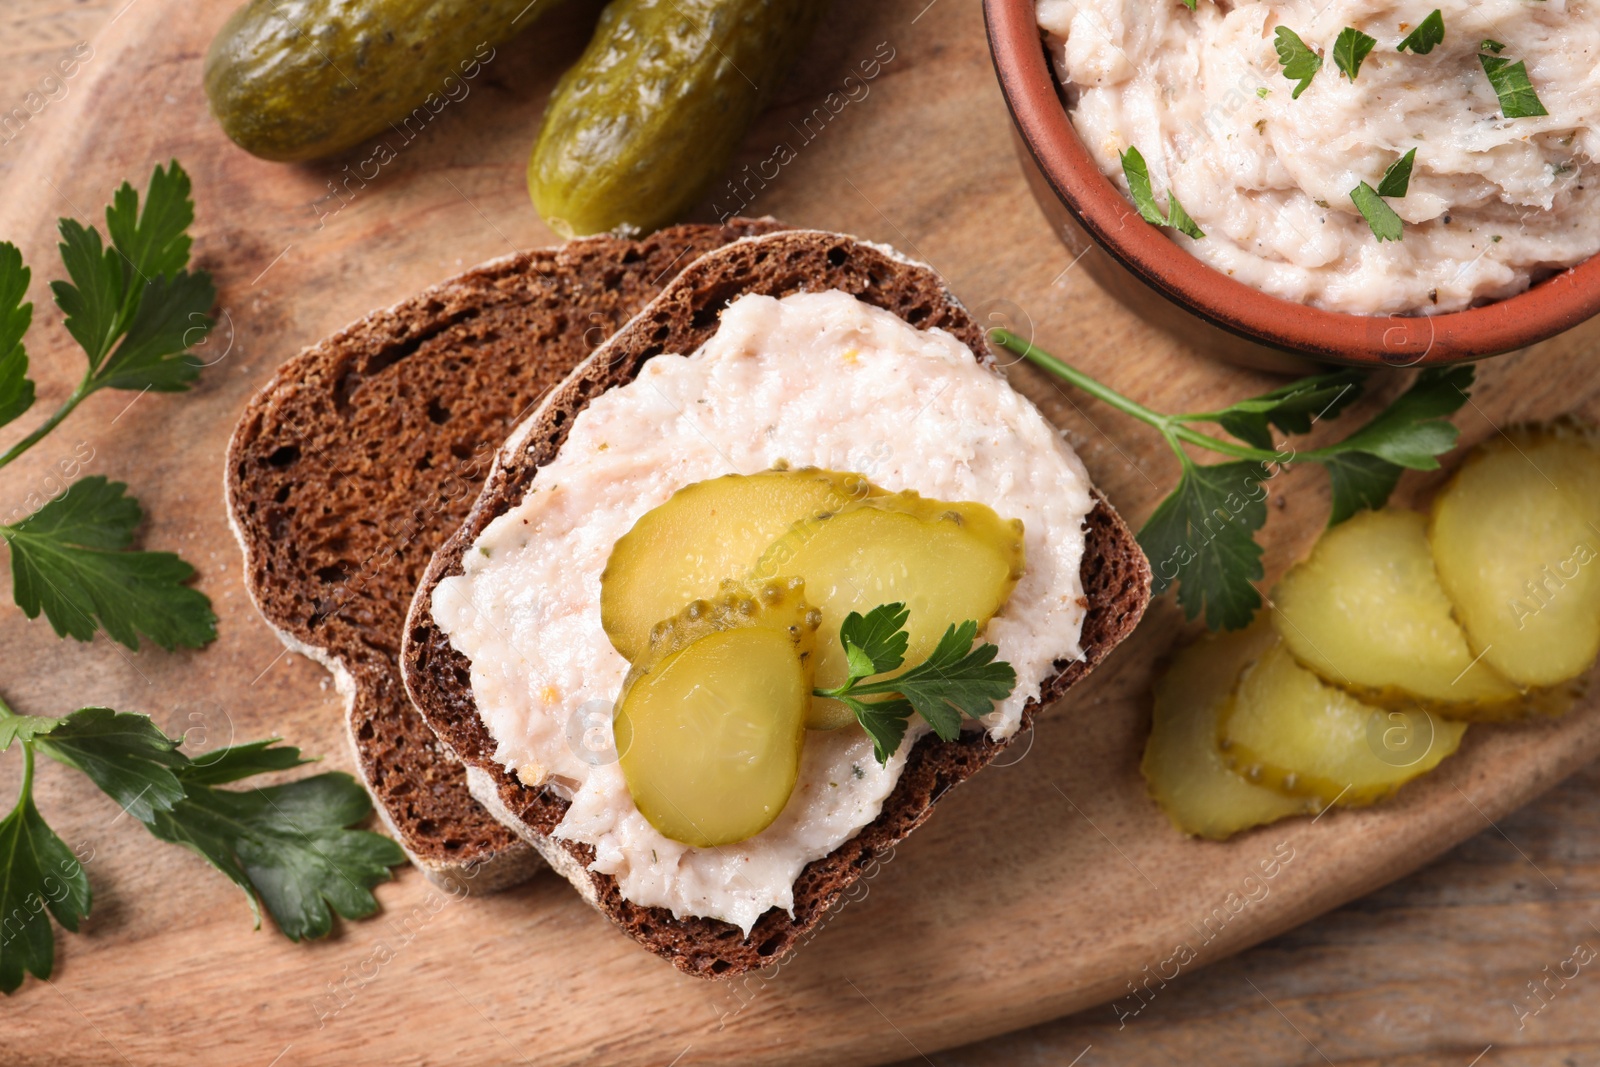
[642, 640]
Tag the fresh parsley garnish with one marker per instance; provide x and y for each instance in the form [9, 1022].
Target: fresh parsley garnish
[1386, 224]
[955, 680]
[287, 846]
[135, 309]
[1489, 44]
[1300, 63]
[1510, 81]
[1350, 48]
[1397, 178]
[1428, 34]
[1135, 170]
[70, 559]
[1201, 538]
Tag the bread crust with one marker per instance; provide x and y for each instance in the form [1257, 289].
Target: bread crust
[1115, 575]
[353, 464]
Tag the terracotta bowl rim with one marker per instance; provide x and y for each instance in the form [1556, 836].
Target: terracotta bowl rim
[1029, 87]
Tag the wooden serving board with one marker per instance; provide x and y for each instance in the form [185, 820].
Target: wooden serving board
[1040, 888]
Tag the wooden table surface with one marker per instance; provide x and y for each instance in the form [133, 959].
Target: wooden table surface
[1434, 969]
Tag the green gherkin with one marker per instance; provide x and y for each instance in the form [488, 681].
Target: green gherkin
[656, 107]
[293, 80]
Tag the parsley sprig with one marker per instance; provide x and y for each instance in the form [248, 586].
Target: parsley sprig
[955, 680]
[289, 846]
[1201, 538]
[135, 308]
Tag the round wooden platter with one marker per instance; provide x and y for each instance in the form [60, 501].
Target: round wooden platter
[1042, 887]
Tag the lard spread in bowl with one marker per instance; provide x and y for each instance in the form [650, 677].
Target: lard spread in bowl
[1270, 167]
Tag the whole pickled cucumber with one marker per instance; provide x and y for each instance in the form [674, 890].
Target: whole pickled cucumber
[297, 79]
[656, 106]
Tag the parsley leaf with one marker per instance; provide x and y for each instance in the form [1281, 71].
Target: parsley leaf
[1359, 480]
[885, 722]
[1428, 34]
[39, 873]
[1299, 62]
[287, 846]
[1291, 408]
[1412, 431]
[16, 391]
[1137, 174]
[124, 754]
[68, 560]
[1350, 48]
[1179, 219]
[137, 291]
[94, 300]
[1386, 225]
[157, 241]
[1397, 179]
[1489, 44]
[955, 679]
[24, 728]
[879, 637]
[1205, 532]
[1510, 81]
[241, 761]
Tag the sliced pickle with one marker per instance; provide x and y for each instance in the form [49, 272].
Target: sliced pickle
[1289, 730]
[1182, 766]
[1517, 550]
[945, 562]
[708, 532]
[1366, 612]
[712, 717]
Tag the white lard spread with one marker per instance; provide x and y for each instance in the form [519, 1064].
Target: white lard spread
[814, 378]
[1494, 203]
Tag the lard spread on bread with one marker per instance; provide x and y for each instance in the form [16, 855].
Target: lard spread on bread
[812, 379]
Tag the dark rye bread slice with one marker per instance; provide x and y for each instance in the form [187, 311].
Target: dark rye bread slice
[1115, 575]
[361, 455]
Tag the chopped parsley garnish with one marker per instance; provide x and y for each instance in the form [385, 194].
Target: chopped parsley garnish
[1201, 538]
[955, 680]
[1429, 34]
[1510, 81]
[1300, 63]
[1137, 173]
[1350, 48]
[1397, 179]
[1386, 224]
[1491, 45]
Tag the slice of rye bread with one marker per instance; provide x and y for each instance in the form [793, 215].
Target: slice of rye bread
[361, 455]
[1115, 574]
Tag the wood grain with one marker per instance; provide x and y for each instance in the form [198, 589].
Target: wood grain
[1039, 889]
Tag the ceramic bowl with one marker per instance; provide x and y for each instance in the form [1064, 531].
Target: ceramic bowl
[1136, 263]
